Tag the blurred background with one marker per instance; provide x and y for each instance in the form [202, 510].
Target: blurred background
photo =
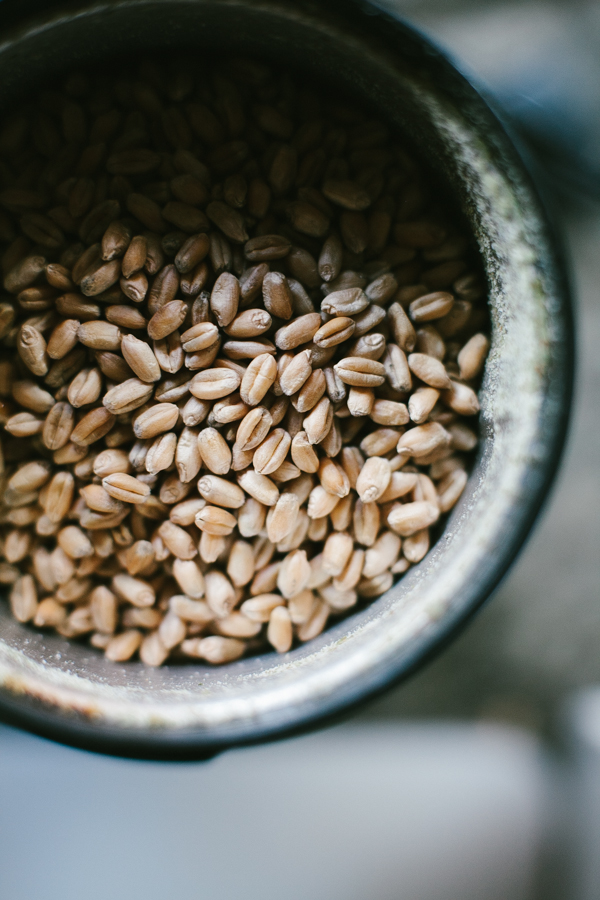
[480, 778]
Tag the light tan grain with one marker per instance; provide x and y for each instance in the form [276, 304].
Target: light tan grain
[237, 625]
[215, 520]
[214, 451]
[104, 607]
[429, 370]
[220, 492]
[373, 479]
[220, 594]
[172, 631]
[347, 302]
[374, 587]
[156, 420]
[240, 566]
[301, 330]
[31, 347]
[271, 453]
[265, 579]
[191, 610]
[251, 517]
[402, 328]
[319, 421]
[153, 651]
[279, 631]
[341, 515]
[416, 546]
[134, 590]
[31, 396]
[92, 427]
[281, 518]
[161, 453]
[311, 392]
[59, 426]
[462, 399]
[321, 503]
[224, 299]
[177, 540]
[390, 412]
[260, 607]
[336, 552]
[472, 356]
[421, 404]
[123, 646]
[214, 649]
[351, 573]
[431, 306]
[382, 555]
[338, 601]
[360, 372]
[23, 599]
[74, 542]
[303, 453]
[424, 439]
[295, 373]
[313, 626]
[125, 488]
[450, 488]
[360, 401]
[260, 487]
[407, 518]
[366, 523]
[333, 478]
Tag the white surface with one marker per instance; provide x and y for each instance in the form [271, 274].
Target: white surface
[410, 812]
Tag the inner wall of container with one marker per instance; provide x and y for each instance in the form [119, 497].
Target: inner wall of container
[109, 31]
[111, 34]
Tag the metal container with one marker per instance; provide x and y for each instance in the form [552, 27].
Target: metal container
[68, 691]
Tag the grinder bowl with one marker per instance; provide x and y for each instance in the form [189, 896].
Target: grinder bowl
[70, 692]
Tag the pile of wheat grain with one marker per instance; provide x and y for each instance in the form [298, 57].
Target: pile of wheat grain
[241, 342]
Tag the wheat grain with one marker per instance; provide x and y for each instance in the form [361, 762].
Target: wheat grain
[261, 364]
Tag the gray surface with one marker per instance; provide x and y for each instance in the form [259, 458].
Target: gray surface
[583, 722]
[430, 812]
[538, 637]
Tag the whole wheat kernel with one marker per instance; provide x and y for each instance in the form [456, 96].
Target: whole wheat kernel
[424, 439]
[462, 399]
[281, 518]
[429, 370]
[407, 518]
[337, 552]
[123, 646]
[472, 356]
[373, 480]
[214, 520]
[260, 607]
[415, 546]
[271, 453]
[338, 601]
[280, 633]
